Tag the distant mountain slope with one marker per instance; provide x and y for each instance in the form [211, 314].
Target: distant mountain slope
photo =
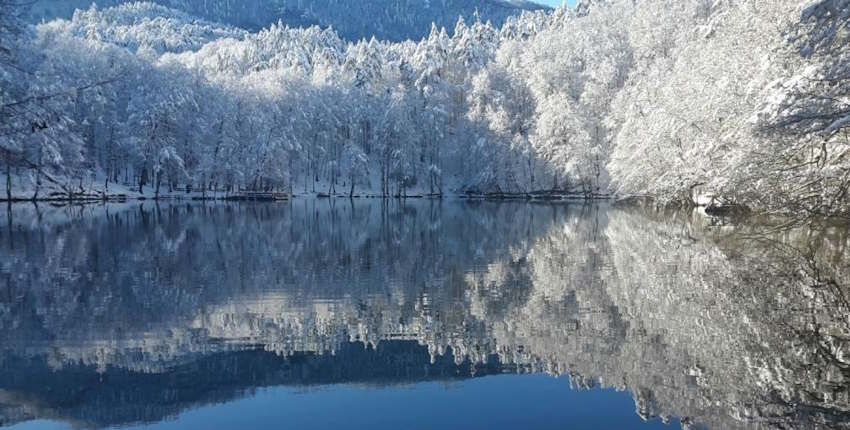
[133, 25]
[385, 19]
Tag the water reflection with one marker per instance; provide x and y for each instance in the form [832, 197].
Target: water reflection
[122, 314]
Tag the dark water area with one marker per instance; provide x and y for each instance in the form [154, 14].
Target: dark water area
[418, 315]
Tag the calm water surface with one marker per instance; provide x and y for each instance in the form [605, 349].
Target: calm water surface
[419, 315]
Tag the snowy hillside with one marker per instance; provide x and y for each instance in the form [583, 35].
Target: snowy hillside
[134, 25]
[646, 98]
[353, 20]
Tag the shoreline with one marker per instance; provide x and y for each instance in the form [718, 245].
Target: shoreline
[542, 196]
[282, 197]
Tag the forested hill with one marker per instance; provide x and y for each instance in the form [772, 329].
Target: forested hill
[393, 20]
[745, 101]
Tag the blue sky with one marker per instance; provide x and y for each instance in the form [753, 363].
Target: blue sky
[554, 3]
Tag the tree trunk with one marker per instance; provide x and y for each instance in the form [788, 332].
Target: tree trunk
[431, 176]
[37, 184]
[598, 173]
[383, 180]
[38, 175]
[8, 177]
[158, 182]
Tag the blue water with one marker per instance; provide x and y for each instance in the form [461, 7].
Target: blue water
[362, 314]
[492, 402]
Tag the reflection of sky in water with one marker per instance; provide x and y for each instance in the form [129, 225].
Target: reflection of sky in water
[493, 402]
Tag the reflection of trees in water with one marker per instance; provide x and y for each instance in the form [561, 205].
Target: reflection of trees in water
[30, 389]
[166, 282]
[727, 327]
[797, 288]
[740, 312]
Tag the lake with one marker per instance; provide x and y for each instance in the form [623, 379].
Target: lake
[418, 314]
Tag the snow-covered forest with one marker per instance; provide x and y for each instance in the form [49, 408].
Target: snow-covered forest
[394, 20]
[748, 100]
